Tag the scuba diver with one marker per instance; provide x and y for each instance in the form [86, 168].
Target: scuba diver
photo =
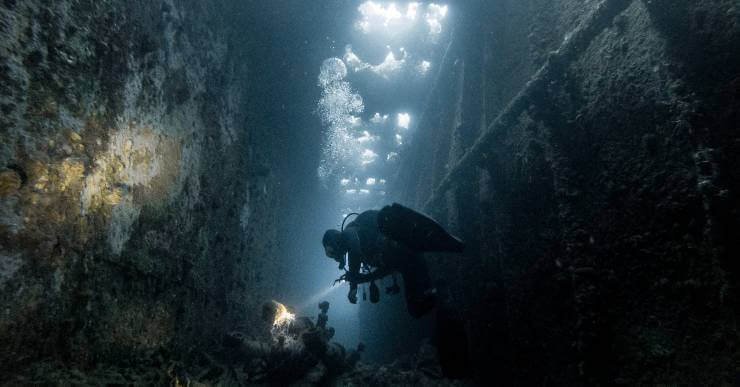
[389, 241]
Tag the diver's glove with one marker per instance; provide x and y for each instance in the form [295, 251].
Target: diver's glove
[352, 277]
[341, 279]
[352, 295]
[347, 277]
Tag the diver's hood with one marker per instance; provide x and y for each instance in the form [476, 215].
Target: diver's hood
[330, 252]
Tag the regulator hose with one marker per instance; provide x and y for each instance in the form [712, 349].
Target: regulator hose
[346, 217]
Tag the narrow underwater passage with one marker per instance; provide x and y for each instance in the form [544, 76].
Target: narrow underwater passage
[565, 173]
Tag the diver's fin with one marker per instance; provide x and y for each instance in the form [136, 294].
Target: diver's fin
[416, 230]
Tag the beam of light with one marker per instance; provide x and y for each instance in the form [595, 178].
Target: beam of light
[378, 119]
[388, 18]
[368, 157]
[435, 14]
[424, 67]
[354, 61]
[438, 11]
[412, 10]
[404, 119]
[392, 19]
[319, 296]
[366, 137]
[390, 65]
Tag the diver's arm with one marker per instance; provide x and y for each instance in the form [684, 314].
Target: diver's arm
[354, 277]
[352, 241]
[355, 256]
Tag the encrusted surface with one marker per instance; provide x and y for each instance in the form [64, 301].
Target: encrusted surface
[125, 171]
[599, 218]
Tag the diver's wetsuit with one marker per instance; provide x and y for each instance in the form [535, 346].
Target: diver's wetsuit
[366, 244]
[393, 240]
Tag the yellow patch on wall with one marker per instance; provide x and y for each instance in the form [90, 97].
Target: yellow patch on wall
[138, 158]
[10, 183]
[70, 174]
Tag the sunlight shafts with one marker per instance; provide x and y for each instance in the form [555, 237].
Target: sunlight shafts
[395, 18]
[384, 67]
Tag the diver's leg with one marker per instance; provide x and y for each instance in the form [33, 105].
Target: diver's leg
[419, 296]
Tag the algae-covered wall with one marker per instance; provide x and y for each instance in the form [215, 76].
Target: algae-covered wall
[595, 182]
[135, 197]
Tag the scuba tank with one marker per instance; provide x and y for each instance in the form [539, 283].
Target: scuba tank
[416, 230]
